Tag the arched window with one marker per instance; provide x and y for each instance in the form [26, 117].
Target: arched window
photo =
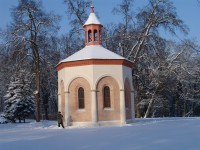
[106, 97]
[81, 103]
[89, 36]
[95, 35]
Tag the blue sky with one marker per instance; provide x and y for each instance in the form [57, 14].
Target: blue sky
[188, 11]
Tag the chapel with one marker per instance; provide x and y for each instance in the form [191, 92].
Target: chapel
[95, 84]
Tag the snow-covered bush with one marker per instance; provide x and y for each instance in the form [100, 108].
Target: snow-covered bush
[19, 103]
[2, 119]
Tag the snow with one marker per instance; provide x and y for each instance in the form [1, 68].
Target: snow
[92, 19]
[35, 92]
[2, 119]
[143, 134]
[92, 52]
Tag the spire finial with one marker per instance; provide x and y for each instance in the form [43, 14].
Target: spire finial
[92, 9]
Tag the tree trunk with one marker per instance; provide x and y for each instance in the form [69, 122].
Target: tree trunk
[37, 76]
[149, 108]
[45, 106]
[19, 120]
[37, 109]
[37, 88]
[46, 111]
[37, 96]
[150, 104]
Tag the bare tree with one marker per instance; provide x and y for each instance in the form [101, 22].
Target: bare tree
[124, 29]
[125, 9]
[157, 14]
[169, 80]
[78, 13]
[30, 24]
[198, 1]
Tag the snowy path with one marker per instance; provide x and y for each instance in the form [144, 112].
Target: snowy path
[144, 134]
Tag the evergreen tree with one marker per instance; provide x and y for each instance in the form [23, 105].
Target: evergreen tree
[18, 102]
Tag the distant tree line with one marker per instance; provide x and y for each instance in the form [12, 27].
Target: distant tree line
[166, 73]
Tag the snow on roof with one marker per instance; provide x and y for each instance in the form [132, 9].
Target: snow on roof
[93, 52]
[92, 19]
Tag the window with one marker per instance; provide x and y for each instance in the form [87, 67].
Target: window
[89, 36]
[106, 97]
[81, 103]
[95, 35]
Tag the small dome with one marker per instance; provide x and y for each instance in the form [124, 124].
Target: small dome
[92, 19]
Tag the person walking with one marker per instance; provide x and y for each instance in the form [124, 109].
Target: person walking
[60, 119]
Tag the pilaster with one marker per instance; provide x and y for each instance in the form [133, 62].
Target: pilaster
[122, 107]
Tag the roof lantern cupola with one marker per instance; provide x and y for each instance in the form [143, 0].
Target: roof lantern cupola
[92, 29]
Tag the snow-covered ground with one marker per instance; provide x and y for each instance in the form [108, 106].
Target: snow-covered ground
[144, 134]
